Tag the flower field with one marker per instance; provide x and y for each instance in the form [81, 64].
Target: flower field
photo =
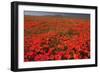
[56, 38]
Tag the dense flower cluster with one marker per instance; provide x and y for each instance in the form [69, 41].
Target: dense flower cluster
[53, 38]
